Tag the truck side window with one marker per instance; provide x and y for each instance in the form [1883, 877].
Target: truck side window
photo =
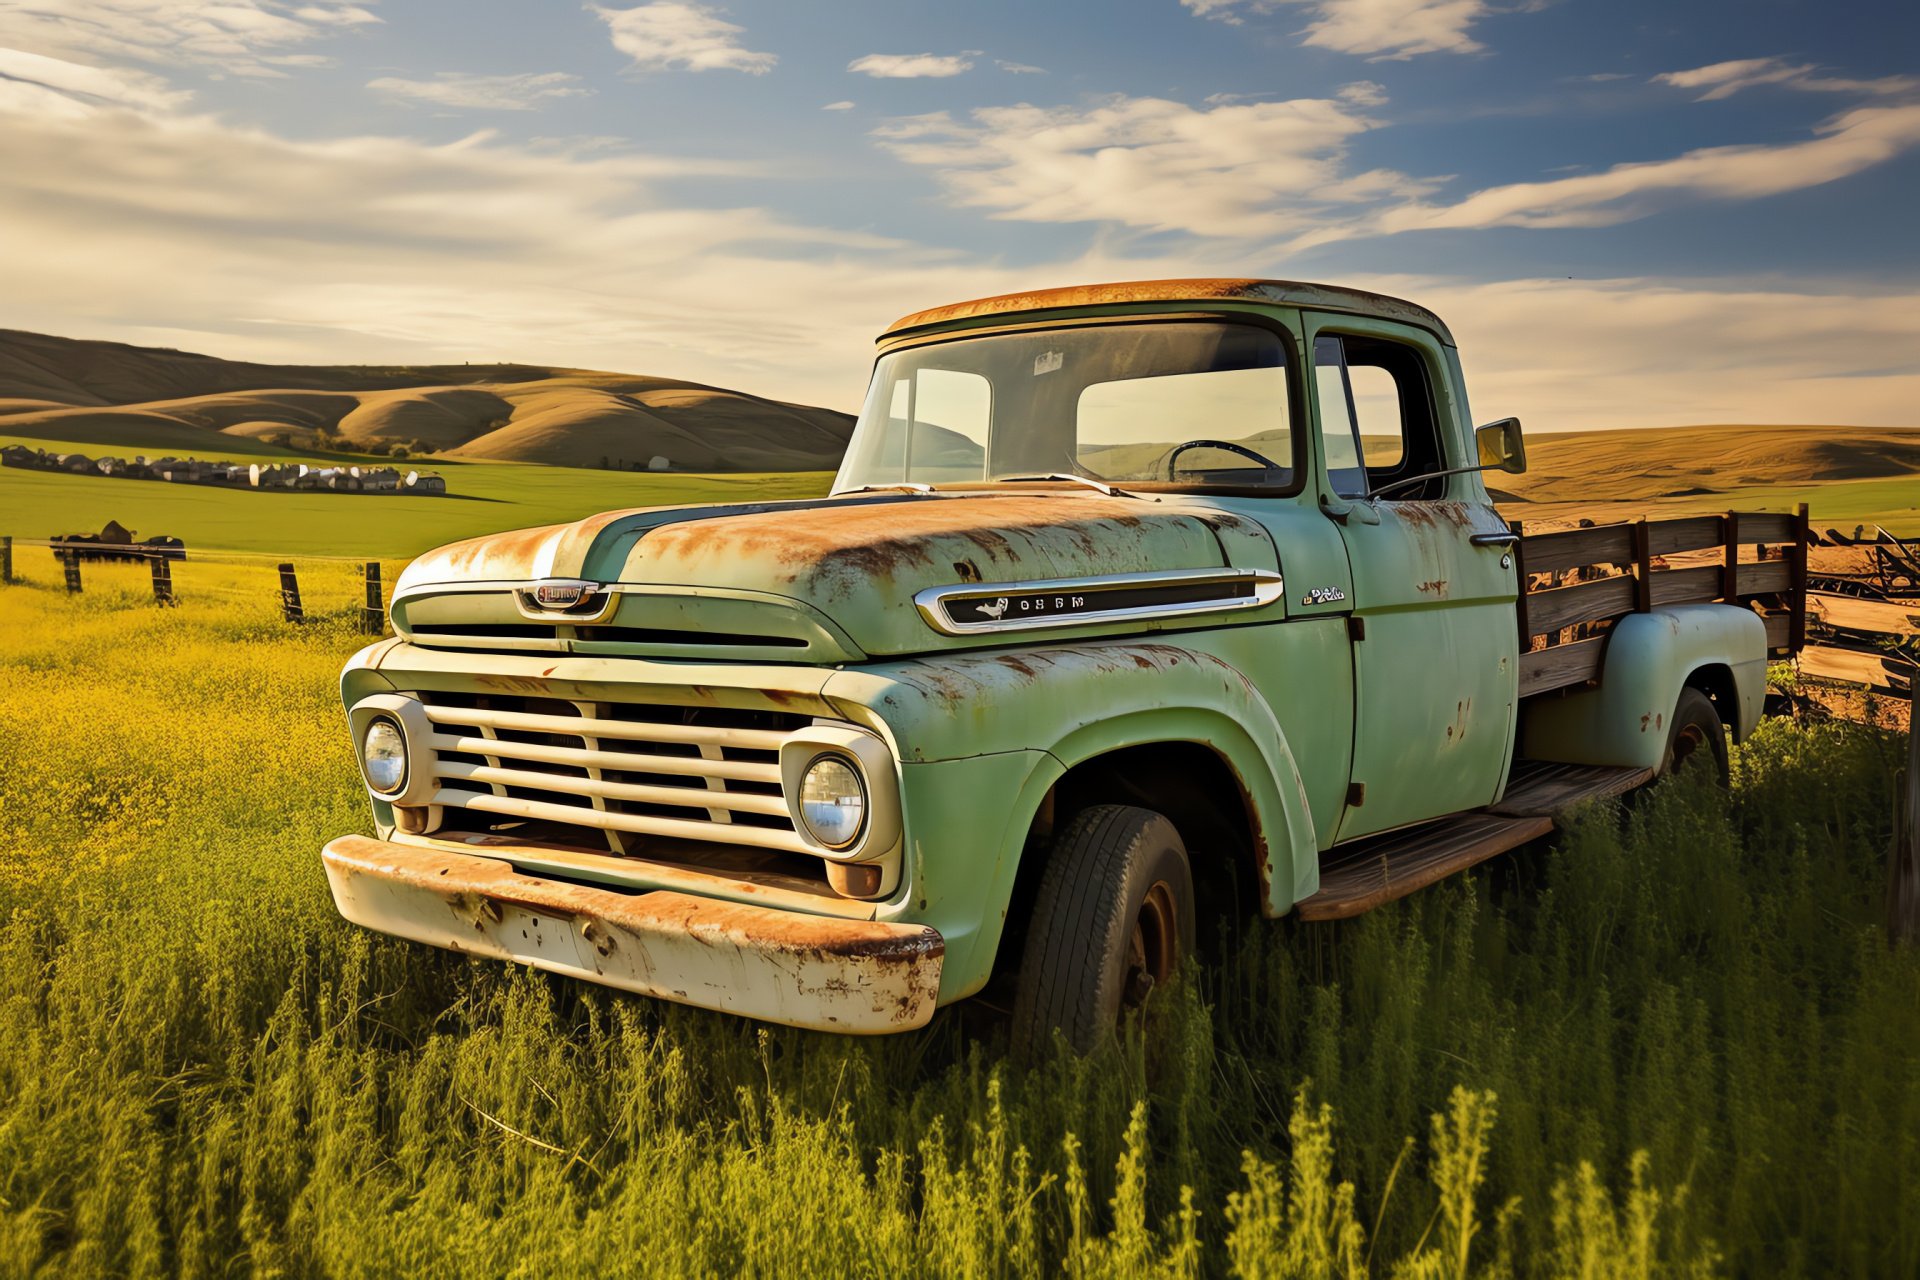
[1377, 422]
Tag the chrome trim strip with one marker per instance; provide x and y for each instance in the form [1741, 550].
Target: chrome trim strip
[1268, 588]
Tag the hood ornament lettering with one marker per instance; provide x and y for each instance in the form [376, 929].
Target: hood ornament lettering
[562, 594]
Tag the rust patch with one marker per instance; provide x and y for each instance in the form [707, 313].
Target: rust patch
[842, 549]
[1192, 290]
[514, 684]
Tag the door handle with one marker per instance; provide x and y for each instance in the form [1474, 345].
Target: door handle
[1494, 539]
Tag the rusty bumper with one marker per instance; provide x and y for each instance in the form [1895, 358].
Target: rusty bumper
[857, 976]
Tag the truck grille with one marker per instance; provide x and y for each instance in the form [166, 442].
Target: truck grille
[650, 770]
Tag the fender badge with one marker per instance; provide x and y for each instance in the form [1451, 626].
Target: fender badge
[561, 594]
[1323, 595]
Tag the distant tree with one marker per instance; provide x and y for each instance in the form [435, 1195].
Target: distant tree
[398, 451]
[282, 439]
[379, 448]
[420, 447]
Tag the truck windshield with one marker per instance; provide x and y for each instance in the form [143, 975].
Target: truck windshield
[1186, 403]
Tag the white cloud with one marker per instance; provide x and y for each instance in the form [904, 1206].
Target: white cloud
[1855, 141]
[524, 92]
[1385, 29]
[1238, 170]
[237, 36]
[1364, 93]
[1019, 68]
[909, 66]
[1593, 355]
[1724, 79]
[838, 106]
[668, 34]
[32, 75]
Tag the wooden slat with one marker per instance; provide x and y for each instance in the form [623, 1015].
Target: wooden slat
[1562, 665]
[1541, 788]
[1856, 667]
[1642, 566]
[1686, 586]
[1865, 615]
[1768, 575]
[1779, 630]
[1694, 533]
[1548, 611]
[1766, 526]
[1370, 873]
[1575, 548]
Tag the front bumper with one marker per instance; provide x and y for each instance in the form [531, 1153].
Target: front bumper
[855, 976]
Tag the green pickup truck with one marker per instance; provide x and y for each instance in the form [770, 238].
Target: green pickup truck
[1127, 598]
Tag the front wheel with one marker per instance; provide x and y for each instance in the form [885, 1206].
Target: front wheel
[1113, 917]
[1695, 736]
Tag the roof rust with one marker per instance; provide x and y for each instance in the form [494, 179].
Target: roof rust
[1290, 292]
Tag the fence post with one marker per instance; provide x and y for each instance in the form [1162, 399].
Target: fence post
[1797, 567]
[1730, 563]
[6, 562]
[70, 561]
[373, 617]
[290, 595]
[163, 582]
[1903, 859]
[1642, 567]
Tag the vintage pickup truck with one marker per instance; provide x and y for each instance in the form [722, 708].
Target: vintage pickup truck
[1126, 596]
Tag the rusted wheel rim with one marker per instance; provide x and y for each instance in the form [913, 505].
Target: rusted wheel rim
[1152, 948]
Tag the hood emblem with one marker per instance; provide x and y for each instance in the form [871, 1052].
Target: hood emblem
[562, 594]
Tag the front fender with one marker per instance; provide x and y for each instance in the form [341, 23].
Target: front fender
[1649, 657]
[1071, 703]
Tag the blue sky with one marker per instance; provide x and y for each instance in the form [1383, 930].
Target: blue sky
[1633, 214]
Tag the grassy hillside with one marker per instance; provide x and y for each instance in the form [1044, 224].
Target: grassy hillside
[204, 1070]
[105, 395]
[1849, 475]
[484, 498]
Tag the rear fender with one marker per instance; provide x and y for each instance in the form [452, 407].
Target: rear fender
[1650, 659]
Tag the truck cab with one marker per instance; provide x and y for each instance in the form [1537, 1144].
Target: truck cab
[1126, 598]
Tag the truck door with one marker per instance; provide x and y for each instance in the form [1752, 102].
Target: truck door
[1435, 654]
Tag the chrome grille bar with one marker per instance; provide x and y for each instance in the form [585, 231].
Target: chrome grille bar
[619, 766]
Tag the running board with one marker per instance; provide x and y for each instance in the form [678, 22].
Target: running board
[1373, 871]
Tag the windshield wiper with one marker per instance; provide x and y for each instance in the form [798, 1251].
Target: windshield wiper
[1088, 481]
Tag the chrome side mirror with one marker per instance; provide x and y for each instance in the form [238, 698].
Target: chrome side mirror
[1501, 446]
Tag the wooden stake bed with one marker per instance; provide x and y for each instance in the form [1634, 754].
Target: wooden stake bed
[1368, 873]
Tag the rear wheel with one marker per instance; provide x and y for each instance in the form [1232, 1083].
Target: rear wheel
[1695, 737]
[1111, 921]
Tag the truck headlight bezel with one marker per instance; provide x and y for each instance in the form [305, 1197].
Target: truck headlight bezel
[407, 715]
[871, 761]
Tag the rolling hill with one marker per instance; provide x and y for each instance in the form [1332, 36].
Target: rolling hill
[142, 399]
[1701, 462]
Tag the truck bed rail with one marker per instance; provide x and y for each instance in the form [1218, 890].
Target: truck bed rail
[1575, 583]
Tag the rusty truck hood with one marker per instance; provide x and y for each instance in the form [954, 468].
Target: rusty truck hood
[857, 561]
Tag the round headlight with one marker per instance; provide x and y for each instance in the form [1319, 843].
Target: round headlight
[833, 801]
[383, 752]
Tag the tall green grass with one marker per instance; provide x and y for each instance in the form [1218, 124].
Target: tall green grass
[1670, 1042]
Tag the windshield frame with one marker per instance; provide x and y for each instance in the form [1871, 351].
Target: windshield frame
[1299, 427]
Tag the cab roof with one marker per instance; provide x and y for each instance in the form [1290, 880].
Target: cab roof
[1287, 292]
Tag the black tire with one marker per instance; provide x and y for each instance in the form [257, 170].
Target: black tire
[1695, 727]
[1112, 920]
